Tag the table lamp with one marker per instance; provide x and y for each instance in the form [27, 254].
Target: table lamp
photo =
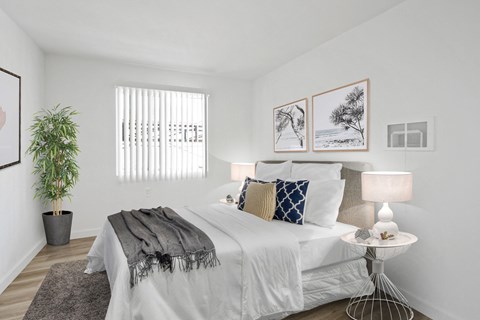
[239, 171]
[386, 186]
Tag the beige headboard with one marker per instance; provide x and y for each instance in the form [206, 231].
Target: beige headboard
[353, 209]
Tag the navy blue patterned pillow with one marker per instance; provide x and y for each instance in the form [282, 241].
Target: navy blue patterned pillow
[243, 194]
[291, 197]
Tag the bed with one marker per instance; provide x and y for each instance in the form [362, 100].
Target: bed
[268, 269]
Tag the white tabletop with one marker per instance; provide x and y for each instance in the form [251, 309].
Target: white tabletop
[402, 239]
[224, 201]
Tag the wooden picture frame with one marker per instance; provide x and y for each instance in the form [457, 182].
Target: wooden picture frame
[10, 118]
[340, 118]
[290, 123]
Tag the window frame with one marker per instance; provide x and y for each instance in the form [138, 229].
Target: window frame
[120, 144]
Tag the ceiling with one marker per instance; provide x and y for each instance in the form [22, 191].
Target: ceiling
[235, 38]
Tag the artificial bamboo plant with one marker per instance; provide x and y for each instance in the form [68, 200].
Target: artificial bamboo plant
[54, 149]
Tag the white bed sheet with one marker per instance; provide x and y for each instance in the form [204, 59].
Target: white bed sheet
[244, 286]
[331, 283]
[320, 246]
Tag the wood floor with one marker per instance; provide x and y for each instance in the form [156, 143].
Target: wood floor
[14, 301]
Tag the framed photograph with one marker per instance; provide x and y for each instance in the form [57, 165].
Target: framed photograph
[10, 97]
[413, 135]
[290, 127]
[340, 118]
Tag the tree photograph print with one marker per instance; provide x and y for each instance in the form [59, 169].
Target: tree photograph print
[10, 150]
[340, 118]
[290, 126]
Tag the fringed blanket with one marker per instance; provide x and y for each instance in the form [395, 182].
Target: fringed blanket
[160, 237]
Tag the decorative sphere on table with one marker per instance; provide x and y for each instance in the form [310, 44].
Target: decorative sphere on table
[229, 198]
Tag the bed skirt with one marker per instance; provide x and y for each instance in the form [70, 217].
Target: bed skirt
[330, 283]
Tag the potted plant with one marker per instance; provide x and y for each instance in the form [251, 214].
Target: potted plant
[54, 149]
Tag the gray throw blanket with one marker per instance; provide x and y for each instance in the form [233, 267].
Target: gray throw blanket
[160, 237]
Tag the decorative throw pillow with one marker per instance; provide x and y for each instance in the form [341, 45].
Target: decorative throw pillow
[243, 193]
[273, 171]
[316, 171]
[323, 202]
[290, 203]
[260, 200]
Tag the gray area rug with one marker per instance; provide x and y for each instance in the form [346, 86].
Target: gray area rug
[68, 293]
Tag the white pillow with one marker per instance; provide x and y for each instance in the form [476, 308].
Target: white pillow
[323, 201]
[273, 171]
[316, 171]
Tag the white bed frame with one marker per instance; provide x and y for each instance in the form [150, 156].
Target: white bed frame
[320, 286]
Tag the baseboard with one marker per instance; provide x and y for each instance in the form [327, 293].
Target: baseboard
[77, 234]
[426, 308]
[5, 282]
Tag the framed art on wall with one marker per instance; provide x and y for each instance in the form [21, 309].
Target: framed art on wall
[412, 135]
[290, 127]
[340, 118]
[10, 99]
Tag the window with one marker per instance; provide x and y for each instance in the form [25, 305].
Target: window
[161, 135]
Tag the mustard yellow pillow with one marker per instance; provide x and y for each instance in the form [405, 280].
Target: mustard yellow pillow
[260, 200]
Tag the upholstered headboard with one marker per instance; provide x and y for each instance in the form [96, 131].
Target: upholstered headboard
[353, 209]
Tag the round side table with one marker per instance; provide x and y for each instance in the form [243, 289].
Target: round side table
[224, 201]
[378, 297]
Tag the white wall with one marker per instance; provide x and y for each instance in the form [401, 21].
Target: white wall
[422, 58]
[89, 86]
[21, 231]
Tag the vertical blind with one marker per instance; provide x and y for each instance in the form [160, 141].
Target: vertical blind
[161, 135]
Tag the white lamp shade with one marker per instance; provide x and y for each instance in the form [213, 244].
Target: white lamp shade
[387, 186]
[238, 171]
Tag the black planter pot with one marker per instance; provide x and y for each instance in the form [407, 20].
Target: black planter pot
[57, 228]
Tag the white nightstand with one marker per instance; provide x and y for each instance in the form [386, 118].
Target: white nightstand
[378, 296]
[224, 201]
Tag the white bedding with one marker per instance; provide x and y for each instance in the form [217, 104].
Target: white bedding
[320, 246]
[331, 283]
[247, 285]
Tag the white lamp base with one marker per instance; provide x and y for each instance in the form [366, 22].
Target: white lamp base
[385, 222]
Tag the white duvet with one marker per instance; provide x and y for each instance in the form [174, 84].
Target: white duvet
[260, 272]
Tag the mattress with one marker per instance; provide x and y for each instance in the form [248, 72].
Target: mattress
[320, 246]
[245, 286]
[323, 270]
[331, 283]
